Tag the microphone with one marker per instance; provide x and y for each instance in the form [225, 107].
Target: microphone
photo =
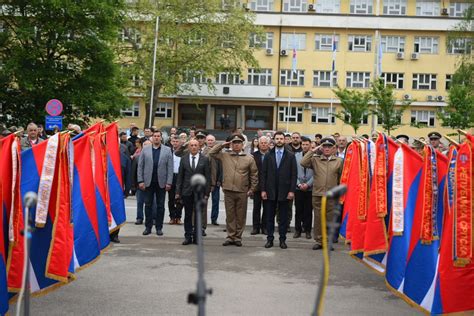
[337, 191]
[30, 199]
[198, 182]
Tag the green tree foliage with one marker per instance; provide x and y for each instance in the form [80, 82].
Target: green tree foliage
[460, 110]
[388, 113]
[196, 41]
[59, 49]
[355, 106]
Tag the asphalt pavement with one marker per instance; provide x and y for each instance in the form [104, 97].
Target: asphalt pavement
[151, 275]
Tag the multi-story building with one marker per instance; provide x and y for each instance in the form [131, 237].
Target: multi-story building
[336, 42]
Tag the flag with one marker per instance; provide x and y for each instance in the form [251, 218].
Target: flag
[422, 257]
[379, 57]
[334, 51]
[376, 238]
[86, 226]
[99, 173]
[114, 177]
[293, 61]
[407, 171]
[350, 177]
[454, 291]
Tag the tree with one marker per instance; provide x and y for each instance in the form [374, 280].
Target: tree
[459, 113]
[62, 50]
[388, 113]
[355, 106]
[196, 41]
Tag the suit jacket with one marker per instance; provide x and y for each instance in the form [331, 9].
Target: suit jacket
[183, 182]
[281, 180]
[165, 166]
[257, 155]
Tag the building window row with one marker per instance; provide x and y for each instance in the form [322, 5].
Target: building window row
[362, 43]
[324, 115]
[390, 7]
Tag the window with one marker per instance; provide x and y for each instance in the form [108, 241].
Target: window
[229, 4]
[290, 78]
[292, 114]
[136, 81]
[227, 78]
[261, 77]
[360, 43]
[195, 39]
[196, 77]
[323, 78]
[295, 5]
[164, 110]
[364, 120]
[322, 115]
[129, 35]
[449, 78]
[328, 6]
[357, 79]
[261, 5]
[423, 118]
[393, 79]
[395, 7]
[459, 46]
[426, 45]
[324, 42]
[428, 7]
[424, 81]
[227, 41]
[133, 111]
[457, 9]
[290, 40]
[393, 44]
[361, 6]
[258, 42]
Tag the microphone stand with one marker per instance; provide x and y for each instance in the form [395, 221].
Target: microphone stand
[199, 297]
[331, 227]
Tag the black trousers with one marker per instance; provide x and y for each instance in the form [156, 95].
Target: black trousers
[303, 211]
[189, 224]
[152, 192]
[258, 216]
[271, 206]
[174, 210]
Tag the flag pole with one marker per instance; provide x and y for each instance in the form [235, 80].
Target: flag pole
[153, 74]
[333, 69]
[289, 106]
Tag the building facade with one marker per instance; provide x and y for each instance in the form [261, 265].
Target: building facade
[312, 46]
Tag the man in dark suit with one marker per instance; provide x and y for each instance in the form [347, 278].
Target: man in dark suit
[278, 185]
[191, 164]
[259, 218]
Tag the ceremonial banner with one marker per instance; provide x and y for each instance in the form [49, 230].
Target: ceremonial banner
[454, 290]
[351, 178]
[100, 182]
[84, 206]
[114, 177]
[407, 171]
[422, 258]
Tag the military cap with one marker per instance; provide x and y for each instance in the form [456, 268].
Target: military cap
[201, 134]
[237, 138]
[417, 143]
[328, 141]
[6, 132]
[403, 136]
[434, 135]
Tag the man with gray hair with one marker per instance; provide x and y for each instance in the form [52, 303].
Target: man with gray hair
[32, 138]
[258, 219]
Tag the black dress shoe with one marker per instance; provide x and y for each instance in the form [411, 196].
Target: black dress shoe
[297, 234]
[139, 222]
[308, 235]
[255, 231]
[269, 244]
[146, 232]
[264, 231]
[115, 240]
[195, 241]
[159, 232]
[283, 244]
[215, 223]
[317, 247]
[238, 243]
[335, 241]
[187, 242]
[204, 233]
[227, 243]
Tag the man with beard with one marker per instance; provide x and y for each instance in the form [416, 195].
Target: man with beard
[278, 185]
[295, 145]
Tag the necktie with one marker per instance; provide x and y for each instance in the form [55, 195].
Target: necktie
[278, 158]
[194, 163]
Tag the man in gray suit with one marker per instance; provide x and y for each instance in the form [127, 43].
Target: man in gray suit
[155, 177]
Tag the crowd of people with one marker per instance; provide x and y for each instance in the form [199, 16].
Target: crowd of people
[278, 171]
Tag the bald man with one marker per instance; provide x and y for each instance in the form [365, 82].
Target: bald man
[32, 138]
